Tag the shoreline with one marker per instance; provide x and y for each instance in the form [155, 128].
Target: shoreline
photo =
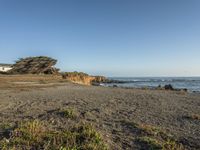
[178, 83]
[151, 88]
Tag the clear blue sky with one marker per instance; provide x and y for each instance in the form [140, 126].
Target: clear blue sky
[107, 37]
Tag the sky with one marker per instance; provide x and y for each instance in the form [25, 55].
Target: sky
[126, 38]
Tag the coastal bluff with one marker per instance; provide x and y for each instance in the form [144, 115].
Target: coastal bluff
[83, 78]
[43, 65]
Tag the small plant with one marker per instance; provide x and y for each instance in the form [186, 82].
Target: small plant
[5, 129]
[69, 113]
[5, 126]
[88, 131]
[171, 145]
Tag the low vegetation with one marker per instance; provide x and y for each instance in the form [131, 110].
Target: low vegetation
[153, 138]
[37, 135]
[152, 143]
[75, 73]
[35, 65]
[5, 126]
[69, 113]
[156, 138]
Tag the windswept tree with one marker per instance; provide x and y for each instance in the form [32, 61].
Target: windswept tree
[35, 65]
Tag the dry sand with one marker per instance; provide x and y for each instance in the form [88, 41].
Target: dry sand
[108, 109]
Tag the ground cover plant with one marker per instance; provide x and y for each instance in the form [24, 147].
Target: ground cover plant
[37, 135]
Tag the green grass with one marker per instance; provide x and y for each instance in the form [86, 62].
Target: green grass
[5, 126]
[69, 113]
[171, 145]
[37, 135]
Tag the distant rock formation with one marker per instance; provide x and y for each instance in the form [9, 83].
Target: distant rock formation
[83, 78]
[169, 87]
[35, 65]
[100, 79]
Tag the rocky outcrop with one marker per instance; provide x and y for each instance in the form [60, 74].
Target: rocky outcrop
[169, 87]
[100, 79]
[35, 65]
[83, 78]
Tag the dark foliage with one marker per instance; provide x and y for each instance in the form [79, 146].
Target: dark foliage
[35, 65]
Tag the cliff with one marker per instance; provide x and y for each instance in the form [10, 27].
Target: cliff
[83, 78]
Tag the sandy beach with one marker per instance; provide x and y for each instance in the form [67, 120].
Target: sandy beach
[120, 115]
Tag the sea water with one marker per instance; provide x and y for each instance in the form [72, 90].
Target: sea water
[190, 83]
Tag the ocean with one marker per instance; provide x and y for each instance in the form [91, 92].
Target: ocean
[190, 83]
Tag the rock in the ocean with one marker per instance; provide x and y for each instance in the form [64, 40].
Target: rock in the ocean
[168, 87]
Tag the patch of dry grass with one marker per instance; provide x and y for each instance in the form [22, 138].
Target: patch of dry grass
[37, 135]
[153, 138]
[152, 143]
